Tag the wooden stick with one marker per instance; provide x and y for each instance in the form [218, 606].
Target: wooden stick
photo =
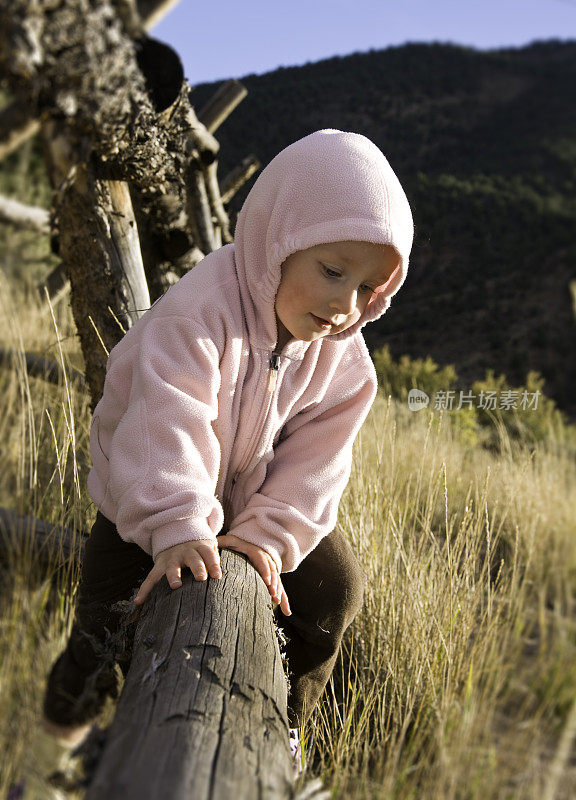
[23, 216]
[201, 139]
[203, 710]
[56, 283]
[17, 125]
[126, 246]
[222, 104]
[237, 177]
[213, 190]
[152, 11]
[199, 212]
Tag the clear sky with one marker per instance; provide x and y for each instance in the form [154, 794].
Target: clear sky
[232, 38]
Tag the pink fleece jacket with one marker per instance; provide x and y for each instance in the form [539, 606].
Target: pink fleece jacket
[201, 424]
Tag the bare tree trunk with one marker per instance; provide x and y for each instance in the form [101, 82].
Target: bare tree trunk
[100, 251]
[203, 710]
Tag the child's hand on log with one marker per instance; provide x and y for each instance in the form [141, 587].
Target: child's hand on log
[264, 564]
[201, 556]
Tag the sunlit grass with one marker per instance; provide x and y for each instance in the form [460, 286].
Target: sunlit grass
[459, 677]
[44, 434]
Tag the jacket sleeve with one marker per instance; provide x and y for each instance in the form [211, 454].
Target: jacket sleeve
[297, 505]
[164, 454]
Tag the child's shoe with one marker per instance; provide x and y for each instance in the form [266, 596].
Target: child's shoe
[75, 695]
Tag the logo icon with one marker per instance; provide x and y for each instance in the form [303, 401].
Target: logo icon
[417, 400]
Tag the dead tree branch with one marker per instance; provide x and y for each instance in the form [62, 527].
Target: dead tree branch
[23, 216]
[222, 104]
[17, 125]
[237, 177]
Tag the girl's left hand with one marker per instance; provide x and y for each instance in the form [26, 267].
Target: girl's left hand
[264, 565]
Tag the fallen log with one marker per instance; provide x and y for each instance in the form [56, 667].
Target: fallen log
[203, 709]
[43, 549]
[40, 367]
[21, 531]
[24, 216]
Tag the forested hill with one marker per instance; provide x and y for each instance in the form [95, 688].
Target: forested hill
[485, 146]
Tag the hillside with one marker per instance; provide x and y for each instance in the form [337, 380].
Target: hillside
[485, 145]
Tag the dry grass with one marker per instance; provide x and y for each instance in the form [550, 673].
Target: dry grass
[458, 677]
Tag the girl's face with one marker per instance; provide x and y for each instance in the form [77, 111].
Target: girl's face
[325, 289]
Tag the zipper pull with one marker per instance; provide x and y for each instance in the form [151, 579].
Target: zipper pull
[274, 367]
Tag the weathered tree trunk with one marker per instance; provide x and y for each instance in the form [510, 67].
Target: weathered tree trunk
[116, 109]
[18, 122]
[104, 264]
[203, 711]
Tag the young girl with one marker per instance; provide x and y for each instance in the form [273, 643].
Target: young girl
[229, 413]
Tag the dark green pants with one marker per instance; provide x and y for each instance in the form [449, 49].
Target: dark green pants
[325, 593]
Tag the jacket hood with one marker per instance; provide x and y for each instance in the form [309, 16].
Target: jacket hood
[329, 186]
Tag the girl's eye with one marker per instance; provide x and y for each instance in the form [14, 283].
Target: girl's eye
[331, 272]
[364, 288]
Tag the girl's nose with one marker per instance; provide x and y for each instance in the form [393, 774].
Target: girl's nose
[344, 302]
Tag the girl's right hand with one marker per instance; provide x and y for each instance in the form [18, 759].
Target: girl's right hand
[202, 556]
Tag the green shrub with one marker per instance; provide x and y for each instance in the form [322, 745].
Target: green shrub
[490, 413]
[524, 411]
[396, 378]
